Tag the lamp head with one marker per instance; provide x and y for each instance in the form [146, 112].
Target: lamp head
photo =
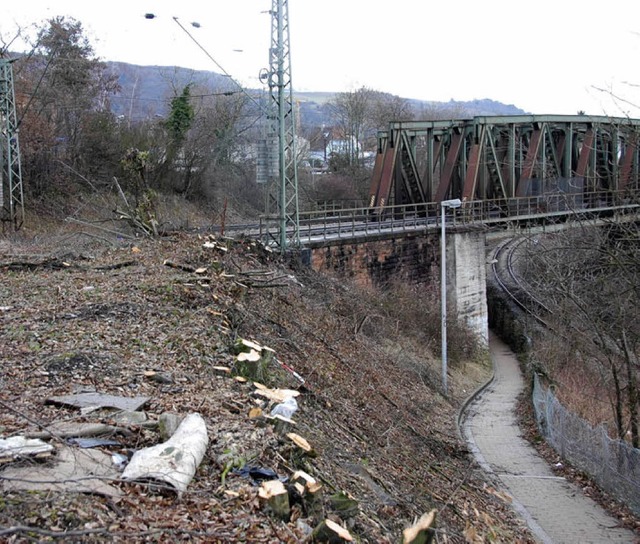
[455, 203]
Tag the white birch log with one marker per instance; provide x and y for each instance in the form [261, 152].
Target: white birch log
[175, 461]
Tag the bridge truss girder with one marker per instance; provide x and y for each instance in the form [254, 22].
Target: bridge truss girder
[499, 157]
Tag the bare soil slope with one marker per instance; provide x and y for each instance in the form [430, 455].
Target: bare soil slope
[119, 319]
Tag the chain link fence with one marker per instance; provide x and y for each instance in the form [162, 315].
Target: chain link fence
[613, 464]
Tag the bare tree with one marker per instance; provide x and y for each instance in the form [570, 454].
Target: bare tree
[591, 278]
[62, 91]
[352, 115]
[436, 111]
[388, 107]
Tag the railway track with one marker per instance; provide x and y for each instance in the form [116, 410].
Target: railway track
[504, 271]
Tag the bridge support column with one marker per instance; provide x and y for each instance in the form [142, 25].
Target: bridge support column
[467, 280]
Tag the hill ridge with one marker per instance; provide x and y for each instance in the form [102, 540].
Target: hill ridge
[146, 91]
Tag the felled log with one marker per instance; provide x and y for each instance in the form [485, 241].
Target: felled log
[71, 429]
[53, 263]
[276, 498]
[173, 462]
[179, 266]
[422, 532]
[329, 531]
[115, 266]
[159, 377]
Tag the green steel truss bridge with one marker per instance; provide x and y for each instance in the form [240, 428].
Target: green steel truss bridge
[506, 171]
[500, 158]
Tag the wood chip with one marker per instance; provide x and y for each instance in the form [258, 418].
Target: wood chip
[422, 531]
[247, 345]
[300, 442]
[276, 395]
[251, 356]
[330, 531]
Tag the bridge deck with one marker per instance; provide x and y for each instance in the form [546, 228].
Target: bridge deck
[317, 228]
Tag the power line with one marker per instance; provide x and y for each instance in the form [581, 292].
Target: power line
[242, 89]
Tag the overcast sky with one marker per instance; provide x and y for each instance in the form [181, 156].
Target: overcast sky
[546, 57]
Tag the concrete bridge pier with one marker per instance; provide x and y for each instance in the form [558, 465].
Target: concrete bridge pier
[467, 280]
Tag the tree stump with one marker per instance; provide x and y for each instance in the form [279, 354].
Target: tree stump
[330, 532]
[275, 498]
[310, 491]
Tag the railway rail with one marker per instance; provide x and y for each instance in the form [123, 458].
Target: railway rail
[511, 284]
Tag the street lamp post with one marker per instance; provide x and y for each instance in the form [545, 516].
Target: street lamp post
[455, 203]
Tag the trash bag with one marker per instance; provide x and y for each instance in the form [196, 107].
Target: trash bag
[258, 474]
[286, 408]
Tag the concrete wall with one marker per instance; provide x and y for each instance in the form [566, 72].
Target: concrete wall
[415, 259]
[467, 279]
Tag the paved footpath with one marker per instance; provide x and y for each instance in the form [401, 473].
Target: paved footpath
[556, 510]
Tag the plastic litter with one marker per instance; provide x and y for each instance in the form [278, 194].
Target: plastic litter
[16, 446]
[286, 408]
[259, 474]
[256, 473]
[92, 442]
[119, 460]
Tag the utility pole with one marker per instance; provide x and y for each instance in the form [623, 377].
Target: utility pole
[282, 198]
[11, 192]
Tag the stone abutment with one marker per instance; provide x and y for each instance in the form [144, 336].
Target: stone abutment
[414, 258]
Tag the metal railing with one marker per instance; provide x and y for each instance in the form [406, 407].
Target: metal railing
[333, 223]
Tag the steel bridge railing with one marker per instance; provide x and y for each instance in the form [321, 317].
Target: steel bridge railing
[361, 222]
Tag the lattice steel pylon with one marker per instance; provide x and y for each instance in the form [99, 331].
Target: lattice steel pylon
[282, 198]
[11, 192]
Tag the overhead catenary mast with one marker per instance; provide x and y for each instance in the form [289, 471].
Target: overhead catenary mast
[282, 198]
[11, 192]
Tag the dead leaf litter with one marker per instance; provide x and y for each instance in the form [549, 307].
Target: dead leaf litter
[131, 341]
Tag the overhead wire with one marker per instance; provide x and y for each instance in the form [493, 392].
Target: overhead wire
[241, 89]
[201, 47]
